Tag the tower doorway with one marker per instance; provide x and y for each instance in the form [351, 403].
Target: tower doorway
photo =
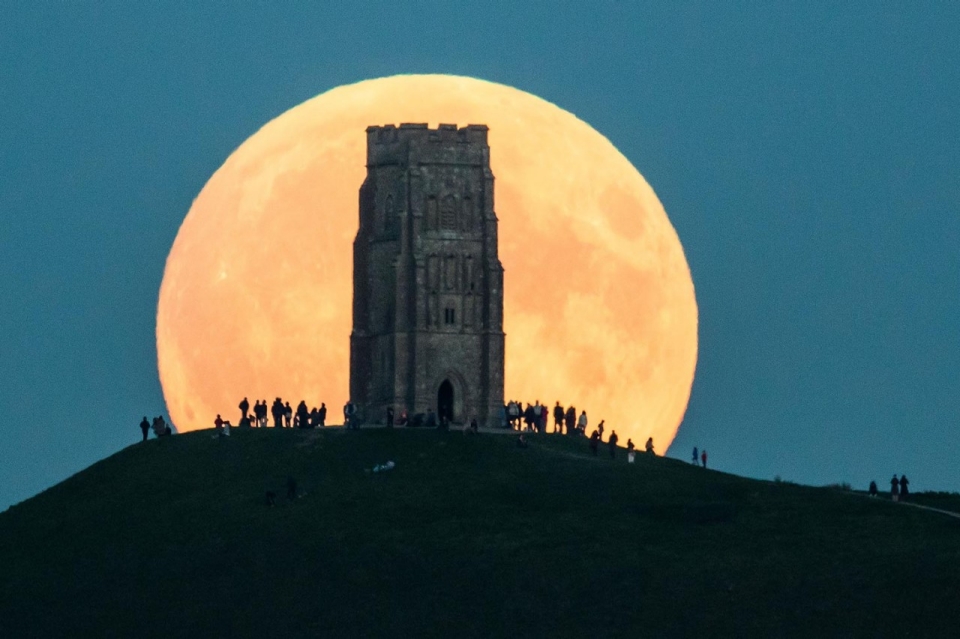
[445, 401]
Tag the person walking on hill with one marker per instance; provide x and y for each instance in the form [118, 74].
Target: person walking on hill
[696, 457]
[594, 442]
[244, 407]
[703, 458]
[904, 491]
[649, 446]
[873, 489]
[613, 444]
[895, 489]
[558, 418]
[145, 427]
[582, 422]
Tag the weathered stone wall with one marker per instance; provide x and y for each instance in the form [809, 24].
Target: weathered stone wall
[428, 283]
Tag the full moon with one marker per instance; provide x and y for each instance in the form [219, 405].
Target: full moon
[599, 305]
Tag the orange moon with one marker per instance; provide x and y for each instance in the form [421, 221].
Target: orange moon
[599, 305]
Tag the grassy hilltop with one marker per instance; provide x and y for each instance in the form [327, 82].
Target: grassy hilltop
[466, 537]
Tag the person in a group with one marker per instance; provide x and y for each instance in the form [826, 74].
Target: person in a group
[288, 414]
[571, 420]
[649, 446]
[303, 415]
[873, 489]
[696, 457]
[558, 418]
[389, 416]
[256, 413]
[322, 415]
[263, 413]
[277, 410]
[630, 446]
[895, 489]
[904, 491]
[244, 408]
[703, 459]
[431, 419]
[613, 444]
[145, 427]
[513, 414]
[544, 417]
[346, 415]
[582, 423]
[600, 429]
[474, 426]
[218, 424]
[314, 418]
[594, 442]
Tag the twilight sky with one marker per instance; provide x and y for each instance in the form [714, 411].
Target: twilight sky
[807, 155]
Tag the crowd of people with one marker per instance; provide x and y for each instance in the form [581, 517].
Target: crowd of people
[284, 415]
[159, 426]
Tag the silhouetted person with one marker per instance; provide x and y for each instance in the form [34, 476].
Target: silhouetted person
[291, 488]
[571, 420]
[613, 444]
[314, 418]
[630, 445]
[389, 416]
[529, 417]
[649, 446]
[303, 415]
[218, 425]
[904, 491]
[594, 442]
[895, 489]
[696, 457]
[558, 418]
[145, 427]
[277, 410]
[322, 414]
[582, 422]
[703, 458]
[244, 408]
[873, 489]
[256, 413]
[288, 414]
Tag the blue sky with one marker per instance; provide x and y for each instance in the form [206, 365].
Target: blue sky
[806, 153]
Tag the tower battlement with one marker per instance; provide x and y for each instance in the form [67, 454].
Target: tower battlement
[446, 144]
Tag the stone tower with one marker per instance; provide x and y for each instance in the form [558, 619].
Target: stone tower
[427, 279]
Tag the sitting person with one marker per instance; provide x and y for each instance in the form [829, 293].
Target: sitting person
[522, 441]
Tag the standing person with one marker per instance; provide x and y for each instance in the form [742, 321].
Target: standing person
[322, 414]
[904, 491]
[277, 410]
[703, 458]
[594, 442]
[288, 414]
[649, 446]
[582, 422]
[630, 445]
[558, 418]
[389, 416]
[263, 413]
[600, 429]
[613, 444]
[145, 427]
[244, 407]
[696, 457]
[873, 489]
[256, 413]
[895, 489]
[218, 424]
[571, 419]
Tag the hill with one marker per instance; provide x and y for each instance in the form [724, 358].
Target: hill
[466, 537]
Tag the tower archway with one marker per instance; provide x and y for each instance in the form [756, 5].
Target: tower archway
[445, 401]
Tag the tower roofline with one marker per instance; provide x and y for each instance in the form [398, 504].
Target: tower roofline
[390, 133]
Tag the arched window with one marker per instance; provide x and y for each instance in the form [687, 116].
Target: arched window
[448, 214]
